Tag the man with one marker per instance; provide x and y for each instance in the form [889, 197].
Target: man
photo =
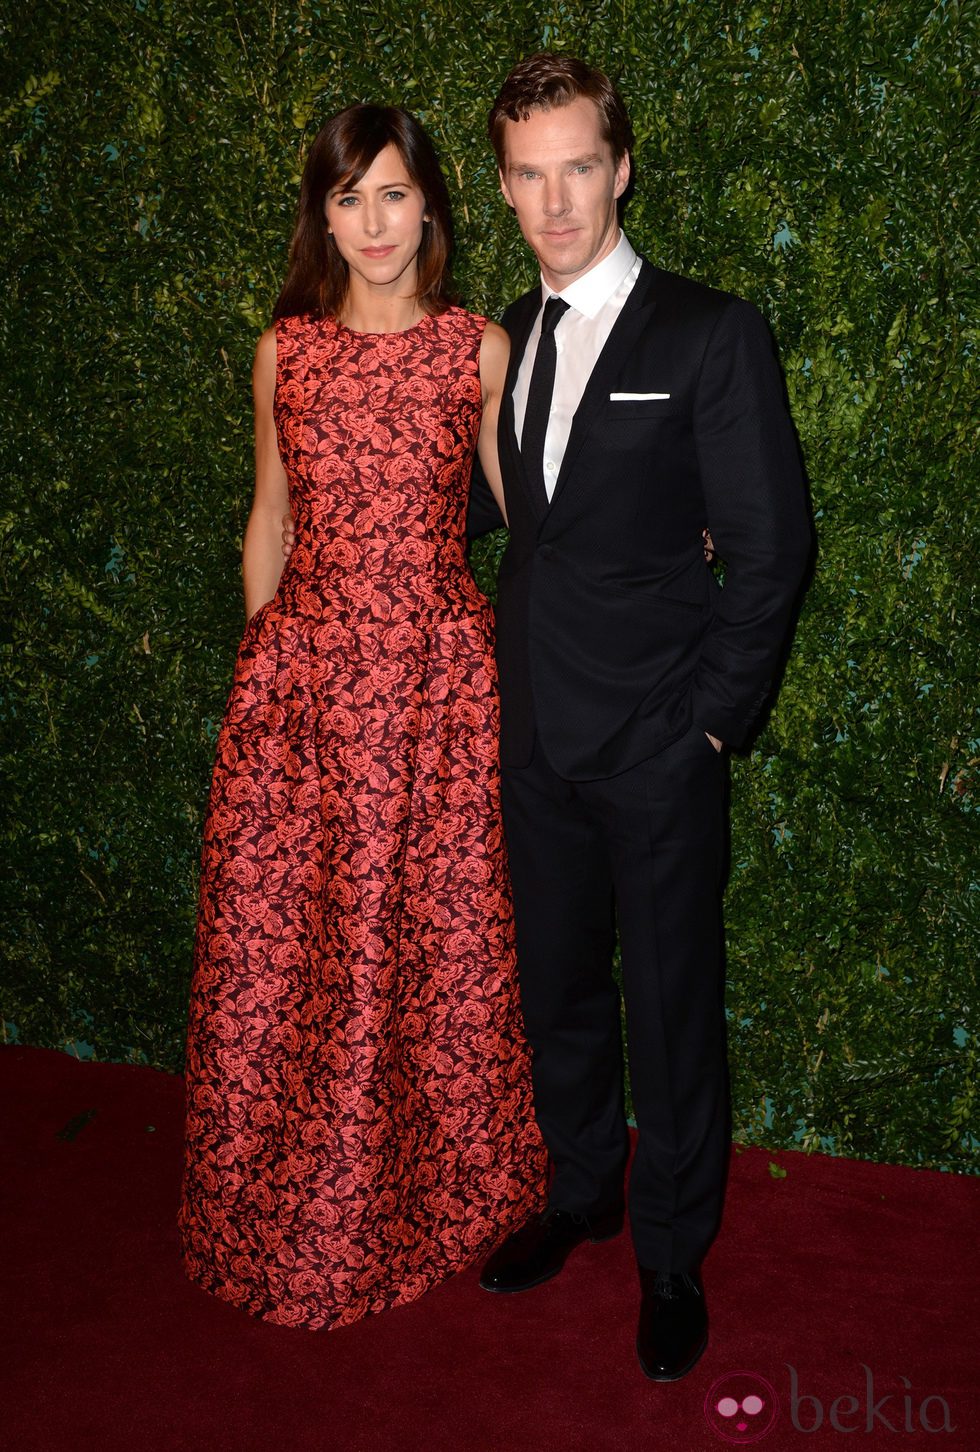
[640, 407]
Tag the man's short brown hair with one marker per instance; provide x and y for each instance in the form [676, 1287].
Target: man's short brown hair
[546, 80]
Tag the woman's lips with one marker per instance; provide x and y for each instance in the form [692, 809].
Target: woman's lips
[376, 251]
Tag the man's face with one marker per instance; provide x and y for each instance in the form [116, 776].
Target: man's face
[560, 177]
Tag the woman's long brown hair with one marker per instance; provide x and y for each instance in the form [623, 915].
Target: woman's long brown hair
[343, 150]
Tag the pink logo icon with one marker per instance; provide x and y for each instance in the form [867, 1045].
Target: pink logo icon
[741, 1407]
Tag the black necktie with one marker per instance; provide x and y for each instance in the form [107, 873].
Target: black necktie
[539, 392]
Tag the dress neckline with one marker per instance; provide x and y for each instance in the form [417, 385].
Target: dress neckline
[392, 333]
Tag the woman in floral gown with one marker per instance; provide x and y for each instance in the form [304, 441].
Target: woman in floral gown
[359, 1122]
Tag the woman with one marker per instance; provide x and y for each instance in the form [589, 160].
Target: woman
[359, 1121]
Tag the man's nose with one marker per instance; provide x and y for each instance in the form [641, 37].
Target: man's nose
[555, 198]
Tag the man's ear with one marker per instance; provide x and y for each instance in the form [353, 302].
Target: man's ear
[622, 174]
[505, 190]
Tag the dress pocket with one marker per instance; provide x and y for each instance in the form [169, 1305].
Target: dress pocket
[254, 621]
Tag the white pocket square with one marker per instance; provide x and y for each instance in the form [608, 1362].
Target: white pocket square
[635, 397]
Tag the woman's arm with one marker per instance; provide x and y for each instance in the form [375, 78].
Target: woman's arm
[262, 561]
[494, 355]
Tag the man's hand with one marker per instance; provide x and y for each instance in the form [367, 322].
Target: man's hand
[289, 535]
[714, 741]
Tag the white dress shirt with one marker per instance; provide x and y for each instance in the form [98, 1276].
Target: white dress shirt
[595, 301]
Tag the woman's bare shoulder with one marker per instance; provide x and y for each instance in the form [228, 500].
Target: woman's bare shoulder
[265, 348]
[494, 356]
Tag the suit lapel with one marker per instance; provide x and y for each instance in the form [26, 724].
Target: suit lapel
[634, 317]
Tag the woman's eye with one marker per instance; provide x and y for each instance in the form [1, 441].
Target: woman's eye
[346, 201]
[394, 196]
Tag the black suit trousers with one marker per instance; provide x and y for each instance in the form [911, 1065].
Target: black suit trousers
[642, 851]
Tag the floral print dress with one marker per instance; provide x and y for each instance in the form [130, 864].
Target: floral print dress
[359, 1122]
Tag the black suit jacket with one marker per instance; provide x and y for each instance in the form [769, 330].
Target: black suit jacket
[612, 634]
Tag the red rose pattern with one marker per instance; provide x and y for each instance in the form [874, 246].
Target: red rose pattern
[359, 1120]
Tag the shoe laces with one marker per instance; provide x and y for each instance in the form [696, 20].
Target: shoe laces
[665, 1286]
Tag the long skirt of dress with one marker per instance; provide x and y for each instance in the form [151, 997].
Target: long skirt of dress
[359, 1119]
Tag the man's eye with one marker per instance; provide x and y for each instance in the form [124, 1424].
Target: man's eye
[583, 170]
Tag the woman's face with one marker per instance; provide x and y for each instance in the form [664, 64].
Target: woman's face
[377, 224]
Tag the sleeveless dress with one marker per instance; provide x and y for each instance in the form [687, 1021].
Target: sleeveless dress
[359, 1118]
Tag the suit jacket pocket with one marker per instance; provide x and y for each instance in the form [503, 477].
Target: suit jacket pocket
[619, 409]
[644, 595]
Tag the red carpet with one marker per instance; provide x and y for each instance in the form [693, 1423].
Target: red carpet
[839, 1266]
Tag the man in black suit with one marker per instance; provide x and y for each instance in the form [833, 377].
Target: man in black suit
[640, 408]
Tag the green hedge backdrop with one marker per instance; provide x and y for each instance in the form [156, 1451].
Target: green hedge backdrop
[816, 159]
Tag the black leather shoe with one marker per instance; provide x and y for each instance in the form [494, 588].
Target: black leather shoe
[673, 1329]
[540, 1248]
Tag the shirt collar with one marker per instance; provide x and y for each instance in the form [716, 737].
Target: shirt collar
[589, 293]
